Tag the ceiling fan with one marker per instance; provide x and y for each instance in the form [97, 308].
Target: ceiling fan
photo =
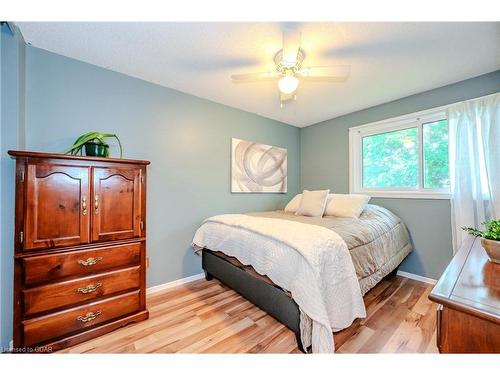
[289, 69]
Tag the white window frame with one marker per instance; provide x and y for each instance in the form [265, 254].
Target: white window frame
[412, 120]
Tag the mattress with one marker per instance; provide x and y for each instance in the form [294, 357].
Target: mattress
[378, 240]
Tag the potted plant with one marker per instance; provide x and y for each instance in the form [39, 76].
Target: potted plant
[94, 144]
[490, 238]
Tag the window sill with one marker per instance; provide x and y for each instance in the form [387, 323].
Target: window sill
[404, 194]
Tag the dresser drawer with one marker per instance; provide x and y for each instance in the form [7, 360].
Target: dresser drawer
[80, 318]
[48, 268]
[67, 293]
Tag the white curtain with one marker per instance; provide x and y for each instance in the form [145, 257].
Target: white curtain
[474, 146]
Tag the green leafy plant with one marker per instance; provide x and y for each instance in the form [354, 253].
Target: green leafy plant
[95, 138]
[492, 231]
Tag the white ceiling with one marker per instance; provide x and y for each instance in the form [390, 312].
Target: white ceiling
[388, 60]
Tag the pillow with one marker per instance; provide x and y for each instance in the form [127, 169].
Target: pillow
[294, 204]
[313, 203]
[346, 205]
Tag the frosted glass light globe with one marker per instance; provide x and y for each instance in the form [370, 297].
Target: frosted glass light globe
[288, 84]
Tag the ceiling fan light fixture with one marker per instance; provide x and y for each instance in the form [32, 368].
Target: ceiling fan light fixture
[288, 84]
[289, 69]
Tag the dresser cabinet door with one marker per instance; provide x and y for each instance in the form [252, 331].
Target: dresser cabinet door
[116, 203]
[58, 207]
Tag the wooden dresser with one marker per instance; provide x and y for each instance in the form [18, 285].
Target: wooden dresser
[468, 294]
[80, 247]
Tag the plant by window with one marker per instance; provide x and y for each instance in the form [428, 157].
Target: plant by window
[492, 231]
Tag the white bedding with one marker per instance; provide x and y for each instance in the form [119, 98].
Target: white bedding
[310, 261]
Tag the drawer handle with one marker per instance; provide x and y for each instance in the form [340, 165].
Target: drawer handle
[84, 206]
[89, 261]
[89, 288]
[88, 317]
[96, 204]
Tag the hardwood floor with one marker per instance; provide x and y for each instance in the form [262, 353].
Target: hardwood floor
[207, 317]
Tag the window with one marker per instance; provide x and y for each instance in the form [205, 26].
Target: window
[404, 157]
[435, 155]
[391, 159]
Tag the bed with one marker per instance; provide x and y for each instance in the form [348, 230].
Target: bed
[376, 243]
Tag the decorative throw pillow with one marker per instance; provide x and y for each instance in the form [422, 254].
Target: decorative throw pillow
[313, 203]
[294, 204]
[346, 205]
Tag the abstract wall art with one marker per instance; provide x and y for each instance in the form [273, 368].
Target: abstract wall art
[258, 168]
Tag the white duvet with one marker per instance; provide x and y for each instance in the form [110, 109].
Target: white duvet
[311, 262]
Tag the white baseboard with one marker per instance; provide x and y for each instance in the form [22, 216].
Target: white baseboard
[417, 277]
[171, 284]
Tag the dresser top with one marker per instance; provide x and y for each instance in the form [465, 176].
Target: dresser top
[470, 283]
[45, 155]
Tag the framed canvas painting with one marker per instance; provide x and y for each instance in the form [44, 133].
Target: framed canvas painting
[257, 168]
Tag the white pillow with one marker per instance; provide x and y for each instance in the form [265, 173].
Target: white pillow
[346, 205]
[294, 204]
[313, 203]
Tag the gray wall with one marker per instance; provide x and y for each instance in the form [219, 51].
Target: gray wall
[1, 205]
[11, 136]
[325, 164]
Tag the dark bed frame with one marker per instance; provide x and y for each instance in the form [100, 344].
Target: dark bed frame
[270, 298]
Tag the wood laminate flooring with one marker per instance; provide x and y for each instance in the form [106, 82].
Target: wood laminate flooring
[208, 317]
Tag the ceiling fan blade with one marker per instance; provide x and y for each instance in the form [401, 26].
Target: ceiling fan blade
[252, 77]
[291, 45]
[332, 73]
